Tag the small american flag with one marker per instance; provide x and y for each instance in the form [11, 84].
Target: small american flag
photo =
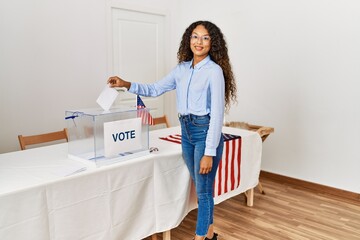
[228, 173]
[143, 112]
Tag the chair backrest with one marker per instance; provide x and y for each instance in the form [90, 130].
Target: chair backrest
[42, 138]
[161, 120]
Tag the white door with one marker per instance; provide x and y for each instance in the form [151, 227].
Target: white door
[138, 52]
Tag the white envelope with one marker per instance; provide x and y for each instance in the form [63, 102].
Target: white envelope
[107, 97]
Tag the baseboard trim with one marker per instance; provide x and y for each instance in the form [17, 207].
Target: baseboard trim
[343, 194]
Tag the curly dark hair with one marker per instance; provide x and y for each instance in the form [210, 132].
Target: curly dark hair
[218, 53]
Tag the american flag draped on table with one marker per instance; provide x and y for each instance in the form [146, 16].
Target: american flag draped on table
[228, 173]
[143, 113]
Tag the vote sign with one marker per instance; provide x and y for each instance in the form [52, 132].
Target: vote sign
[122, 136]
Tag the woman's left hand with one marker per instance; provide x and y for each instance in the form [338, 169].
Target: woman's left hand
[206, 164]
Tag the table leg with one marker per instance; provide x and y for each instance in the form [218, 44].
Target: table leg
[261, 190]
[167, 235]
[250, 197]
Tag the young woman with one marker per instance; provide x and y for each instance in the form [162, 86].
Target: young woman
[205, 86]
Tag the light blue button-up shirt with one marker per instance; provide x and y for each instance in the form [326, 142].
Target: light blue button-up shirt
[200, 90]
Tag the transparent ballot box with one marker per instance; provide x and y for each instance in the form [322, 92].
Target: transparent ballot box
[104, 137]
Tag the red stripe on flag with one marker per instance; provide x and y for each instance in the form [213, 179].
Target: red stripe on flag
[233, 165]
[239, 160]
[176, 138]
[226, 163]
[145, 116]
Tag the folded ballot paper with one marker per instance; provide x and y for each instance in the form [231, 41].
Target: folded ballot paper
[107, 97]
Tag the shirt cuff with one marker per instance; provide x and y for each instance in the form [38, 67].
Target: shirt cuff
[132, 88]
[210, 152]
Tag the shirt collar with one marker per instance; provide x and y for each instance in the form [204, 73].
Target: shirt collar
[201, 63]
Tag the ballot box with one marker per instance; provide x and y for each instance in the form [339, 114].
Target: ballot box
[104, 137]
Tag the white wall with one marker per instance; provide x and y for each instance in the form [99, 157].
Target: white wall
[297, 67]
[53, 57]
[296, 62]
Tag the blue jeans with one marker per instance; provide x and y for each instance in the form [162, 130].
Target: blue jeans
[193, 137]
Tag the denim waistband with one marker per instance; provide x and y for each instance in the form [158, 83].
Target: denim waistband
[191, 116]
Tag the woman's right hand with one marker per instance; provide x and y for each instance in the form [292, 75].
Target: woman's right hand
[115, 81]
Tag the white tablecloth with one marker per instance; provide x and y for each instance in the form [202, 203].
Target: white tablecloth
[126, 200]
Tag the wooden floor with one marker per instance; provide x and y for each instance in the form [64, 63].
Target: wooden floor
[284, 212]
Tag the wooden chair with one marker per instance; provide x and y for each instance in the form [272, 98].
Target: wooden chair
[42, 138]
[264, 132]
[161, 120]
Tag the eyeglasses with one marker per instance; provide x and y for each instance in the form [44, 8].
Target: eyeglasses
[204, 39]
